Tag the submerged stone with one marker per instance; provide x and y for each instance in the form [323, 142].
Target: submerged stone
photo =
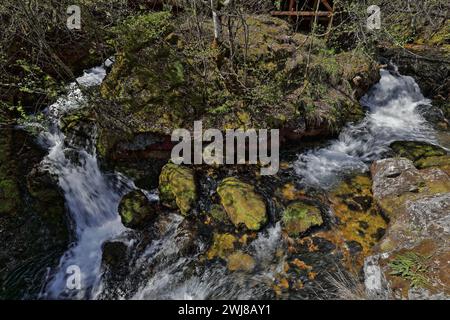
[240, 261]
[298, 217]
[177, 187]
[222, 246]
[242, 204]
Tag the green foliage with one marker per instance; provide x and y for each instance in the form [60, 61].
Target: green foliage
[139, 31]
[412, 267]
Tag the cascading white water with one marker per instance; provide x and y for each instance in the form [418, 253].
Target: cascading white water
[91, 198]
[392, 117]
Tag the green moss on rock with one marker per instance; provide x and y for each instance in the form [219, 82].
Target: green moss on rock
[135, 209]
[242, 204]
[299, 217]
[177, 187]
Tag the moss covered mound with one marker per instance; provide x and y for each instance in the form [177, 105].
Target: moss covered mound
[242, 204]
[177, 187]
[165, 77]
[298, 217]
[135, 209]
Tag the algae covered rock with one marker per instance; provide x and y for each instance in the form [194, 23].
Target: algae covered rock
[135, 209]
[222, 246]
[299, 217]
[177, 187]
[423, 155]
[416, 150]
[242, 204]
[240, 261]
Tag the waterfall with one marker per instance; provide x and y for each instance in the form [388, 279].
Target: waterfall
[91, 197]
[392, 116]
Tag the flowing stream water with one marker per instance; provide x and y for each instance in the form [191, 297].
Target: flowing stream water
[92, 198]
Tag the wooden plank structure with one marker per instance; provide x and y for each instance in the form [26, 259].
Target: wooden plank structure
[312, 10]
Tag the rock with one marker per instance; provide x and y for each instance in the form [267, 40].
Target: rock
[242, 204]
[396, 180]
[34, 230]
[218, 213]
[299, 216]
[434, 115]
[240, 261]
[222, 246]
[423, 155]
[359, 222]
[412, 256]
[114, 256]
[177, 187]
[115, 260]
[416, 150]
[135, 209]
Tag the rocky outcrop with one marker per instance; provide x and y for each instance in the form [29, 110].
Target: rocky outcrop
[412, 258]
[177, 187]
[242, 204]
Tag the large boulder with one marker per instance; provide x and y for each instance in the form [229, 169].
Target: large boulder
[177, 187]
[412, 258]
[242, 204]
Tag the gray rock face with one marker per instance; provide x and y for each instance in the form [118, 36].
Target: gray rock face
[418, 236]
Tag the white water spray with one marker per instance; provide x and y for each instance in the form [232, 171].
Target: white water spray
[392, 117]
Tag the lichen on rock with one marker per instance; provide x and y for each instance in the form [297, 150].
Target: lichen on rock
[299, 216]
[242, 204]
[177, 187]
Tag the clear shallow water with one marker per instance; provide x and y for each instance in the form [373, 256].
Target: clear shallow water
[92, 198]
[391, 117]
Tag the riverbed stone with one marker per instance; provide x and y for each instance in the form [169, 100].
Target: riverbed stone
[299, 216]
[222, 245]
[135, 209]
[240, 261]
[177, 187]
[242, 204]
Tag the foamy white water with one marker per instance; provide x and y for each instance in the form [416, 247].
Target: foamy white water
[91, 198]
[392, 116]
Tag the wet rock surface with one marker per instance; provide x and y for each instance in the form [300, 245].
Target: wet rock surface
[412, 257]
[33, 224]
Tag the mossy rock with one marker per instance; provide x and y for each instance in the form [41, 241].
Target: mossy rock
[240, 261]
[222, 246]
[443, 162]
[135, 209]
[177, 187]
[416, 150]
[242, 204]
[298, 217]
